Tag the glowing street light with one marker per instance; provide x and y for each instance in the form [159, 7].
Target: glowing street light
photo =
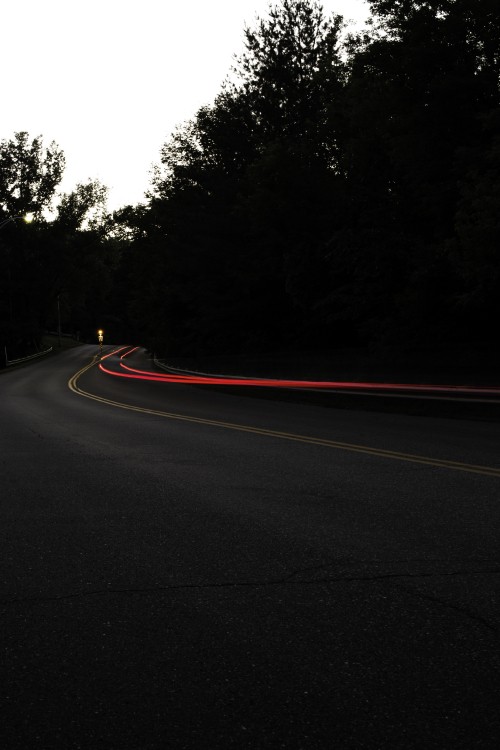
[100, 338]
[28, 218]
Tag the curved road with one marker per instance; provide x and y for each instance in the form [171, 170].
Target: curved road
[190, 568]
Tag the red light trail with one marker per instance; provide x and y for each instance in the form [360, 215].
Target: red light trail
[199, 379]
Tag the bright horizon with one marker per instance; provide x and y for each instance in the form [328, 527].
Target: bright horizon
[110, 80]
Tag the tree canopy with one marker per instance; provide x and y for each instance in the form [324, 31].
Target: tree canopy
[59, 265]
[29, 174]
[342, 189]
[338, 190]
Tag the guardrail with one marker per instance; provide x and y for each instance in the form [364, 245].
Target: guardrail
[9, 362]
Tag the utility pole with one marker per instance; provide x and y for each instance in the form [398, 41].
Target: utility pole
[58, 322]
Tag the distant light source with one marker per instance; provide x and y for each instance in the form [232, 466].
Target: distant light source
[28, 218]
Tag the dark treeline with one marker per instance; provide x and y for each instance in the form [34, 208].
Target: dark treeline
[56, 273]
[340, 191]
[337, 192]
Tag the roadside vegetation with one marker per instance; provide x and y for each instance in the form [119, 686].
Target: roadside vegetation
[341, 191]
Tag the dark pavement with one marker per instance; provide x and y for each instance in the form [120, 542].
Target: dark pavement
[168, 583]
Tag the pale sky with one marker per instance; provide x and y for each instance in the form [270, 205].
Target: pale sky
[109, 80]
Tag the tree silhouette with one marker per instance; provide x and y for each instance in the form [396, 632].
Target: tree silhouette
[242, 185]
[29, 174]
[64, 261]
[338, 191]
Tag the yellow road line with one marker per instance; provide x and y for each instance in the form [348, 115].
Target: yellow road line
[490, 471]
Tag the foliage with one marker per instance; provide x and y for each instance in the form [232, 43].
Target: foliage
[241, 187]
[51, 272]
[29, 174]
[339, 190]
[84, 206]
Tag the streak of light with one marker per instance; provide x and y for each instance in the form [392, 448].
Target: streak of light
[139, 374]
[490, 471]
[129, 352]
[115, 351]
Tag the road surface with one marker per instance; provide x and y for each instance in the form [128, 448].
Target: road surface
[190, 568]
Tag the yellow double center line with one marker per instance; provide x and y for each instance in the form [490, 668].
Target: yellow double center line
[489, 471]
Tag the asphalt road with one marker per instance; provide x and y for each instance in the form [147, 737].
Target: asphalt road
[207, 570]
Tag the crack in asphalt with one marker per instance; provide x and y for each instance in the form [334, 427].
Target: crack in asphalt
[286, 581]
[469, 613]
